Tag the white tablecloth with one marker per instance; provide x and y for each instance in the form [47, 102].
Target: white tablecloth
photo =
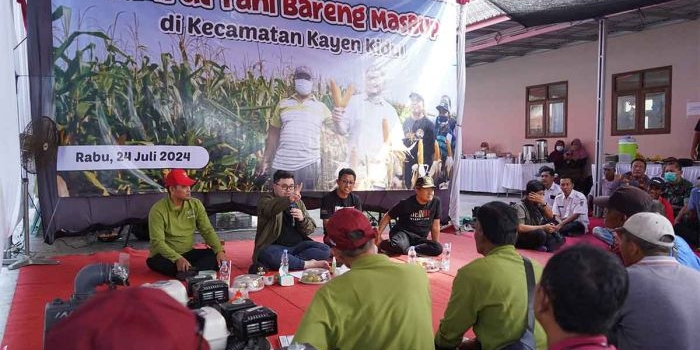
[481, 175]
[516, 176]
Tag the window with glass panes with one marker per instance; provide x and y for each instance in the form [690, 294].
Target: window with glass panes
[642, 102]
[546, 110]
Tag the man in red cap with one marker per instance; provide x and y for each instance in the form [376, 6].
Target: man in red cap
[132, 318]
[171, 224]
[378, 304]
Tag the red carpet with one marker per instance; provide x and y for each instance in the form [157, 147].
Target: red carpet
[38, 285]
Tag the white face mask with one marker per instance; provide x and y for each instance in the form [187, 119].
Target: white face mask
[303, 87]
[560, 148]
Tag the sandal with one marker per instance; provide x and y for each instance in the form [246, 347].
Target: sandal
[108, 236]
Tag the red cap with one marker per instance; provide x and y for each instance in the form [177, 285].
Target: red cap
[349, 229]
[178, 177]
[132, 318]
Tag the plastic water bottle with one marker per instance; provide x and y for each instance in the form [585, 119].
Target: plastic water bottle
[225, 272]
[446, 256]
[334, 265]
[412, 255]
[284, 263]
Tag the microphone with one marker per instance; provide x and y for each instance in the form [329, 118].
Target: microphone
[292, 206]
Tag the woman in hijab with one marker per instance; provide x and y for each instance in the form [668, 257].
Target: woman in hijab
[557, 156]
[576, 153]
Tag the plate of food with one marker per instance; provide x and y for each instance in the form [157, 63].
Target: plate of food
[429, 264]
[315, 276]
[253, 283]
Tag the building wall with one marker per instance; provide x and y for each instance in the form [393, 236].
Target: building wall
[495, 92]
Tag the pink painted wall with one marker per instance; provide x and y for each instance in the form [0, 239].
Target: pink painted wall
[495, 92]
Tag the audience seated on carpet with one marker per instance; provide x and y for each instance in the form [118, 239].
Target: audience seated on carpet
[340, 197]
[131, 318]
[662, 306]
[416, 216]
[551, 189]
[557, 156]
[677, 188]
[489, 294]
[608, 183]
[637, 176]
[580, 293]
[285, 224]
[536, 225]
[171, 224]
[622, 204]
[660, 204]
[686, 224]
[378, 304]
[570, 210]
[574, 165]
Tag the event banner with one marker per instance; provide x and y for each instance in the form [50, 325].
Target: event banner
[234, 90]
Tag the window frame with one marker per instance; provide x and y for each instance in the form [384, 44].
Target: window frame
[546, 102]
[639, 97]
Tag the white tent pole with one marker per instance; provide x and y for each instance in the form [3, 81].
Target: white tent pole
[600, 107]
[461, 91]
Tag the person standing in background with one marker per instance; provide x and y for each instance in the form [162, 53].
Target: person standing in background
[294, 135]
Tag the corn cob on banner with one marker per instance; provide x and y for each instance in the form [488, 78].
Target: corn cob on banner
[212, 86]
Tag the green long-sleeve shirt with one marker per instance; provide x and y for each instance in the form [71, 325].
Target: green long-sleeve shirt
[171, 229]
[490, 295]
[378, 304]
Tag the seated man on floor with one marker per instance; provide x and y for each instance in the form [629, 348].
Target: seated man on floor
[662, 306]
[378, 304]
[579, 296]
[570, 210]
[416, 216]
[536, 228]
[284, 224]
[622, 204]
[489, 295]
[339, 198]
[171, 224]
[677, 188]
[661, 205]
[551, 189]
[637, 177]
[686, 224]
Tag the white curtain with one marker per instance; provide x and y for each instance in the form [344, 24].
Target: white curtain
[461, 91]
[10, 177]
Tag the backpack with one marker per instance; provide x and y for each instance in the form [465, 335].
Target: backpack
[527, 339]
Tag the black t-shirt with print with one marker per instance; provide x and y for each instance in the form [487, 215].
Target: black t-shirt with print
[414, 217]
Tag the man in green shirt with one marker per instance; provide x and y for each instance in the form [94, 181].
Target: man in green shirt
[378, 304]
[171, 224]
[489, 294]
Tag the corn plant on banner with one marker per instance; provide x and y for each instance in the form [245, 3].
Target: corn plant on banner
[232, 90]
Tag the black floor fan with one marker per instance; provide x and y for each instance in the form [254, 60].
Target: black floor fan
[38, 144]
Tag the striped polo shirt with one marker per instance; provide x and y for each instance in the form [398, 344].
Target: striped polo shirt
[300, 132]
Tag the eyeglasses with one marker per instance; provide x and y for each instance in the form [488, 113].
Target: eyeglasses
[286, 187]
[346, 182]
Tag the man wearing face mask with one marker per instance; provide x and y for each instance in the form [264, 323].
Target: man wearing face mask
[677, 188]
[294, 136]
[374, 134]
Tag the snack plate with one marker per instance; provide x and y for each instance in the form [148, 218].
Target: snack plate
[429, 264]
[304, 282]
[316, 272]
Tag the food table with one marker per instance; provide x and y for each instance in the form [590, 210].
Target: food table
[481, 175]
[516, 176]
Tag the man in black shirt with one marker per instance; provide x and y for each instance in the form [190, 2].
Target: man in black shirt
[341, 197]
[416, 216]
[418, 127]
[284, 224]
